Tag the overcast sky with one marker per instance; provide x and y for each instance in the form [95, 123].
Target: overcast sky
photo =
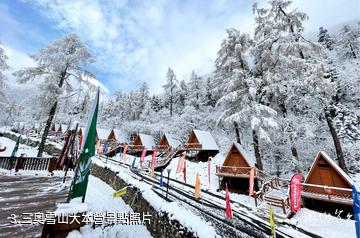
[136, 41]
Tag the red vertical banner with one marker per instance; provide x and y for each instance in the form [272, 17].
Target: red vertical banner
[153, 162]
[142, 157]
[184, 171]
[228, 211]
[251, 181]
[295, 192]
[180, 164]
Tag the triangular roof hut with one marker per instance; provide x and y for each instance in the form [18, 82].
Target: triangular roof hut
[168, 141]
[236, 168]
[102, 134]
[117, 135]
[144, 140]
[201, 142]
[326, 181]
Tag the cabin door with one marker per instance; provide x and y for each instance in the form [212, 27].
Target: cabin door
[326, 176]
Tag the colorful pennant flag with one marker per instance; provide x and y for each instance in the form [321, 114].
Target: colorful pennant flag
[184, 171]
[120, 193]
[13, 154]
[180, 164]
[79, 184]
[272, 223]
[153, 160]
[142, 157]
[197, 186]
[161, 179]
[228, 211]
[124, 153]
[356, 210]
[133, 163]
[251, 181]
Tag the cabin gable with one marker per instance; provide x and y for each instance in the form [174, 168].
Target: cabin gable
[235, 158]
[323, 172]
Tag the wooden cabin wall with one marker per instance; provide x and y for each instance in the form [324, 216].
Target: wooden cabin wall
[111, 135]
[137, 141]
[192, 138]
[325, 174]
[234, 158]
[164, 141]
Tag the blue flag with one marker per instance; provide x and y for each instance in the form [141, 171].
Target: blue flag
[356, 207]
[161, 180]
[120, 151]
[133, 164]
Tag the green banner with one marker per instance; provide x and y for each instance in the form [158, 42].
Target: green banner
[79, 186]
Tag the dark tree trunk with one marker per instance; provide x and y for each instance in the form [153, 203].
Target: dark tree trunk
[339, 152]
[294, 152]
[259, 164]
[237, 132]
[51, 117]
[46, 130]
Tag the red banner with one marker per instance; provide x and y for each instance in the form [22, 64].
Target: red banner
[295, 192]
[184, 171]
[228, 211]
[251, 181]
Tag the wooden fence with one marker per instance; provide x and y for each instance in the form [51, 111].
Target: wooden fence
[29, 163]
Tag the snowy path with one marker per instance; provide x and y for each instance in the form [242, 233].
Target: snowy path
[27, 193]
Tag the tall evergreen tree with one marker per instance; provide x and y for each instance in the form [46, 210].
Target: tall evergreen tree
[170, 89]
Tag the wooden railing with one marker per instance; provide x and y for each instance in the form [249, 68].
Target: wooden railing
[29, 163]
[266, 187]
[333, 194]
[233, 170]
[162, 147]
[135, 148]
[192, 146]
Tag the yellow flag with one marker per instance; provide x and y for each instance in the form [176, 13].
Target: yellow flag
[120, 193]
[197, 186]
[272, 223]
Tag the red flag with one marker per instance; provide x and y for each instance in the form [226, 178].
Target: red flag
[251, 181]
[295, 192]
[184, 171]
[180, 164]
[153, 163]
[228, 211]
[143, 153]
[80, 141]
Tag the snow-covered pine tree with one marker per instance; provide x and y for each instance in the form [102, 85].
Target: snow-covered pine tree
[196, 90]
[170, 89]
[3, 66]
[349, 42]
[209, 99]
[325, 39]
[183, 94]
[56, 64]
[289, 68]
[155, 103]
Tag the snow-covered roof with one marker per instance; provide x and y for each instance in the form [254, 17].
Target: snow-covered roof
[119, 136]
[147, 141]
[206, 140]
[333, 164]
[249, 157]
[102, 134]
[172, 141]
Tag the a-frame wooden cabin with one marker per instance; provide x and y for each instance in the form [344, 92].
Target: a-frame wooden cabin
[327, 185]
[142, 141]
[236, 169]
[202, 145]
[167, 142]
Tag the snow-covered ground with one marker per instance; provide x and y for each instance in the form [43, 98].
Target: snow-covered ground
[23, 149]
[99, 199]
[323, 224]
[173, 209]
